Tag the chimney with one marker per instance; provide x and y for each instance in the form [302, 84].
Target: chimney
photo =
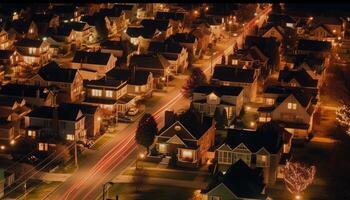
[170, 117]
[38, 93]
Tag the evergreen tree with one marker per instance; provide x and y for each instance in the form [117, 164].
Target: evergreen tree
[146, 131]
[196, 78]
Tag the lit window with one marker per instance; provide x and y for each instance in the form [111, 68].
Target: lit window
[70, 137]
[162, 148]
[177, 128]
[187, 154]
[270, 101]
[96, 93]
[235, 62]
[31, 50]
[43, 146]
[109, 93]
[31, 30]
[31, 133]
[262, 160]
[292, 106]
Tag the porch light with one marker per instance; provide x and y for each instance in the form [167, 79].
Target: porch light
[142, 155]
[12, 142]
[255, 14]
[187, 154]
[207, 8]
[71, 19]
[334, 31]
[297, 197]
[311, 18]
[44, 38]
[252, 124]
[98, 118]
[2, 147]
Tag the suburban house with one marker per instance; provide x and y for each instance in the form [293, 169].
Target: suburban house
[315, 67]
[261, 148]
[66, 123]
[176, 19]
[69, 81]
[115, 20]
[92, 115]
[114, 47]
[272, 30]
[313, 48]
[44, 22]
[66, 12]
[33, 51]
[322, 33]
[33, 95]
[139, 83]
[187, 135]
[234, 76]
[83, 33]
[9, 59]
[154, 63]
[292, 107]
[20, 28]
[111, 95]
[163, 26]
[140, 36]
[93, 61]
[187, 40]
[297, 78]
[176, 54]
[207, 98]
[240, 182]
[12, 112]
[5, 42]
[326, 26]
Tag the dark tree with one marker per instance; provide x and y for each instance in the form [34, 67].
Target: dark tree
[139, 178]
[196, 78]
[146, 130]
[220, 118]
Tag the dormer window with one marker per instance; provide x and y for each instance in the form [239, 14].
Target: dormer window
[177, 128]
[235, 62]
[292, 106]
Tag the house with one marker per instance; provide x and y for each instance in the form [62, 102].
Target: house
[69, 81]
[291, 107]
[315, 67]
[33, 95]
[92, 115]
[270, 47]
[9, 59]
[176, 54]
[140, 36]
[114, 47]
[66, 12]
[333, 26]
[297, 78]
[63, 122]
[322, 33]
[83, 33]
[203, 35]
[187, 135]
[282, 20]
[239, 182]
[176, 19]
[45, 21]
[115, 19]
[33, 51]
[187, 40]
[234, 76]
[273, 31]
[18, 29]
[130, 11]
[313, 47]
[110, 95]
[207, 98]
[163, 26]
[94, 61]
[261, 148]
[5, 42]
[154, 63]
[139, 83]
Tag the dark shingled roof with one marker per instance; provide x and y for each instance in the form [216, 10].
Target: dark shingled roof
[243, 181]
[155, 61]
[63, 9]
[53, 72]
[268, 46]
[219, 90]
[64, 113]
[113, 12]
[42, 18]
[29, 43]
[301, 76]
[123, 6]
[183, 38]
[165, 46]
[278, 18]
[112, 44]
[141, 77]
[313, 45]
[19, 90]
[233, 74]
[170, 15]
[9, 100]
[97, 57]
[104, 82]
[85, 109]
[161, 25]
[6, 54]
[145, 32]
[21, 26]
[77, 26]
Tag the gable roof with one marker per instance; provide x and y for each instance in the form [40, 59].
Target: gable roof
[104, 82]
[6, 54]
[21, 26]
[149, 61]
[241, 180]
[314, 45]
[53, 72]
[219, 90]
[145, 32]
[112, 12]
[21, 90]
[112, 44]
[9, 101]
[64, 113]
[25, 42]
[141, 77]
[170, 15]
[97, 58]
[279, 18]
[85, 108]
[233, 74]
[268, 46]
[165, 46]
[161, 25]
[301, 76]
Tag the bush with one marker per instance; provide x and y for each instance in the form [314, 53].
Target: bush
[154, 152]
[160, 86]
[173, 159]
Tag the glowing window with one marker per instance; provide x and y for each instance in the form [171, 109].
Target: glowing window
[43, 146]
[96, 93]
[70, 137]
[292, 106]
[162, 148]
[187, 154]
[109, 93]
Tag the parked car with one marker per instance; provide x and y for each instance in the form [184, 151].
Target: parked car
[133, 111]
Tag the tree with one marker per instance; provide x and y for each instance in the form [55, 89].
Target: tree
[139, 178]
[196, 78]
[146, 131]
[298, 176]
[343, 117]
[220, 118]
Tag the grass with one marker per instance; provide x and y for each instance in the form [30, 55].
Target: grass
[126, 191]
[147, 164]
[165, 174]
[69, 167]
[101, 141]
[151, 101]
[42, 190]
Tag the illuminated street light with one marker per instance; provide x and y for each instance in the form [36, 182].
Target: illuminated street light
[12, 142]
[195, 12]
[206, 8]
[311, 18]
[298, 197]
[339, 38]
[252, 124]
[44, 38]
[142, 155]
[2, 147]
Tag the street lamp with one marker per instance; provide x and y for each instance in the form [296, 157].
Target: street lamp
[104, 189]
[230, 23]
[142, 156]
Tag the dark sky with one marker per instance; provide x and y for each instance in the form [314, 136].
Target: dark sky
[319, 9]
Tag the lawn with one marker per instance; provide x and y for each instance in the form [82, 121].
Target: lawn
[126, 191]
[151, 101]
[166, 174]
[101, 141]
[42, 190]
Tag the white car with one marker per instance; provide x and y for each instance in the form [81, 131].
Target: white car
[133, 111]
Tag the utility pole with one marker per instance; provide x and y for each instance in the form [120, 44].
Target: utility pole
[25, 190]
[76, 152]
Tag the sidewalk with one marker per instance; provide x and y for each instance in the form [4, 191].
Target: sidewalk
[173, 170]
[45, 176]
[163, 181]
